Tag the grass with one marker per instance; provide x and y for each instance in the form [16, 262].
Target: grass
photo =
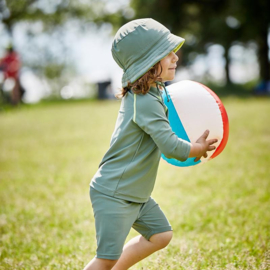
[219, 211]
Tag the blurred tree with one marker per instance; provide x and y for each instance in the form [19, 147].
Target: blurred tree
[51, 18]
[206, 22]
[254, 18]
[217, 26]
[178, 16]
[201, 22]
[237, 21]
[51, 13]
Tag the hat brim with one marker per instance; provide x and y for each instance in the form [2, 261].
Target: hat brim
[161, 49]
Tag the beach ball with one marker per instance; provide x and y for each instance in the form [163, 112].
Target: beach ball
[194, 108]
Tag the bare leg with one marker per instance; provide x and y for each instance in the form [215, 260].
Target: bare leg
[100, 264]
[15, 95]
[139, 248]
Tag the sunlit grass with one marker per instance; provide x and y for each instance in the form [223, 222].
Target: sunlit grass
[219, 211]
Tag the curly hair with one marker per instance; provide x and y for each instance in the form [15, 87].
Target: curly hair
[142, 85]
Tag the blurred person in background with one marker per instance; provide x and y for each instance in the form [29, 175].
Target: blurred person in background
[10, 65]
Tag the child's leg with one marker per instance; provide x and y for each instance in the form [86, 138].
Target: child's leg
[156, 234]
[113, 220]
[100, 264]
[139, 248]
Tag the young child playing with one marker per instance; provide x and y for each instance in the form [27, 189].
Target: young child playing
[121, 189]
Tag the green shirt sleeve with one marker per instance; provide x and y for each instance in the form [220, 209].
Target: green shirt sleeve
[150, 116]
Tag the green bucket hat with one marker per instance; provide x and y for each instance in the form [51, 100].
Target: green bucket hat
[140, 44]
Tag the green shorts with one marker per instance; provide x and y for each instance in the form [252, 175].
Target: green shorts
[115, 217]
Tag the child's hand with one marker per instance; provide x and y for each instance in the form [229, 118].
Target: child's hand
[201, 146]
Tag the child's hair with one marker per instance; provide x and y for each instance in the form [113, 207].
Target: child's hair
[142, 85]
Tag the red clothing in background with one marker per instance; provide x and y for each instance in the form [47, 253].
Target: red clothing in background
[11, 65]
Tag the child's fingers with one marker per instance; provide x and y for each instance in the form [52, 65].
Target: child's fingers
[211, 148]
[212, 141]
[205, 134]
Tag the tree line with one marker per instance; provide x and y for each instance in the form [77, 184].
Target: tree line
[223, 22]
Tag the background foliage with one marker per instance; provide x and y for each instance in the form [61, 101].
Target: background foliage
[202, 23]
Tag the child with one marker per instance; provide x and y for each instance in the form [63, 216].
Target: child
[120, 190]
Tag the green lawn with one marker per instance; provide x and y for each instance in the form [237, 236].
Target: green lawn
[220, 211]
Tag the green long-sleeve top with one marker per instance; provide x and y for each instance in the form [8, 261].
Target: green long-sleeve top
[142, 131]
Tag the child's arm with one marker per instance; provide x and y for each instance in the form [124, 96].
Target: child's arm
[150, 116]
[201, 146]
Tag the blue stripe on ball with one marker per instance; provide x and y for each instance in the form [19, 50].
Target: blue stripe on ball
[179, 130]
